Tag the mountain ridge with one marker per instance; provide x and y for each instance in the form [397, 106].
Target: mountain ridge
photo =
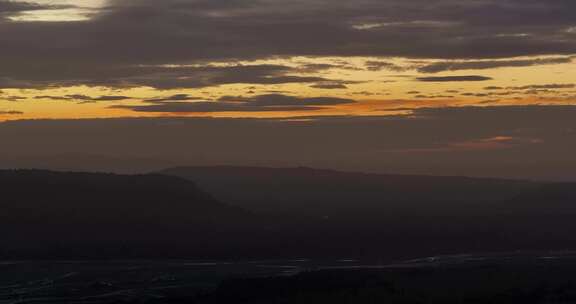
[307, 191]
[59, 215]
[47, 211]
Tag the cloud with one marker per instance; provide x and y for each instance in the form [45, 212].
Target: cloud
[384, 65]
[493, 88]
[422, 96]
[284, 100]
[6, 83]
[453, 78]
[121, 43]
[9, 7]
[545, 86]
[176, 97]
[83, 98]
[444, 66]
[199, 77]
[329, 85]
[262, 103]
[14, 98]
[5, 112]
[214, 5]
[167, 77]
[211, 107]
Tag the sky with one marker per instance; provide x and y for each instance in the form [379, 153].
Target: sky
[406, 76]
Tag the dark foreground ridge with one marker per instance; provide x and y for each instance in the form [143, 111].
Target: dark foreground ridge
[55, 214]
[311, 213]
[143, 239]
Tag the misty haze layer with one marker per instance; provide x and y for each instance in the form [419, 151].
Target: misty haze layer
[533, 142]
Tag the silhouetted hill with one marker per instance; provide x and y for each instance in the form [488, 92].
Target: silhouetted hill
[318, 214]
[547, 198]
[326, 193]
[42, 210]
[398, 215]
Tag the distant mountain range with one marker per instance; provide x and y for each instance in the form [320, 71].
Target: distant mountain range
[327, 193]
[404, 213]
[232, 212]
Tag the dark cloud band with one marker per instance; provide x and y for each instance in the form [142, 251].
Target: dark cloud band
[118, 46]
[454, 78]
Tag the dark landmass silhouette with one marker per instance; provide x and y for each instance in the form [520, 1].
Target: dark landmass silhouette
[335, 194]
[401, 213]
[278, 213]
[49, 214]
